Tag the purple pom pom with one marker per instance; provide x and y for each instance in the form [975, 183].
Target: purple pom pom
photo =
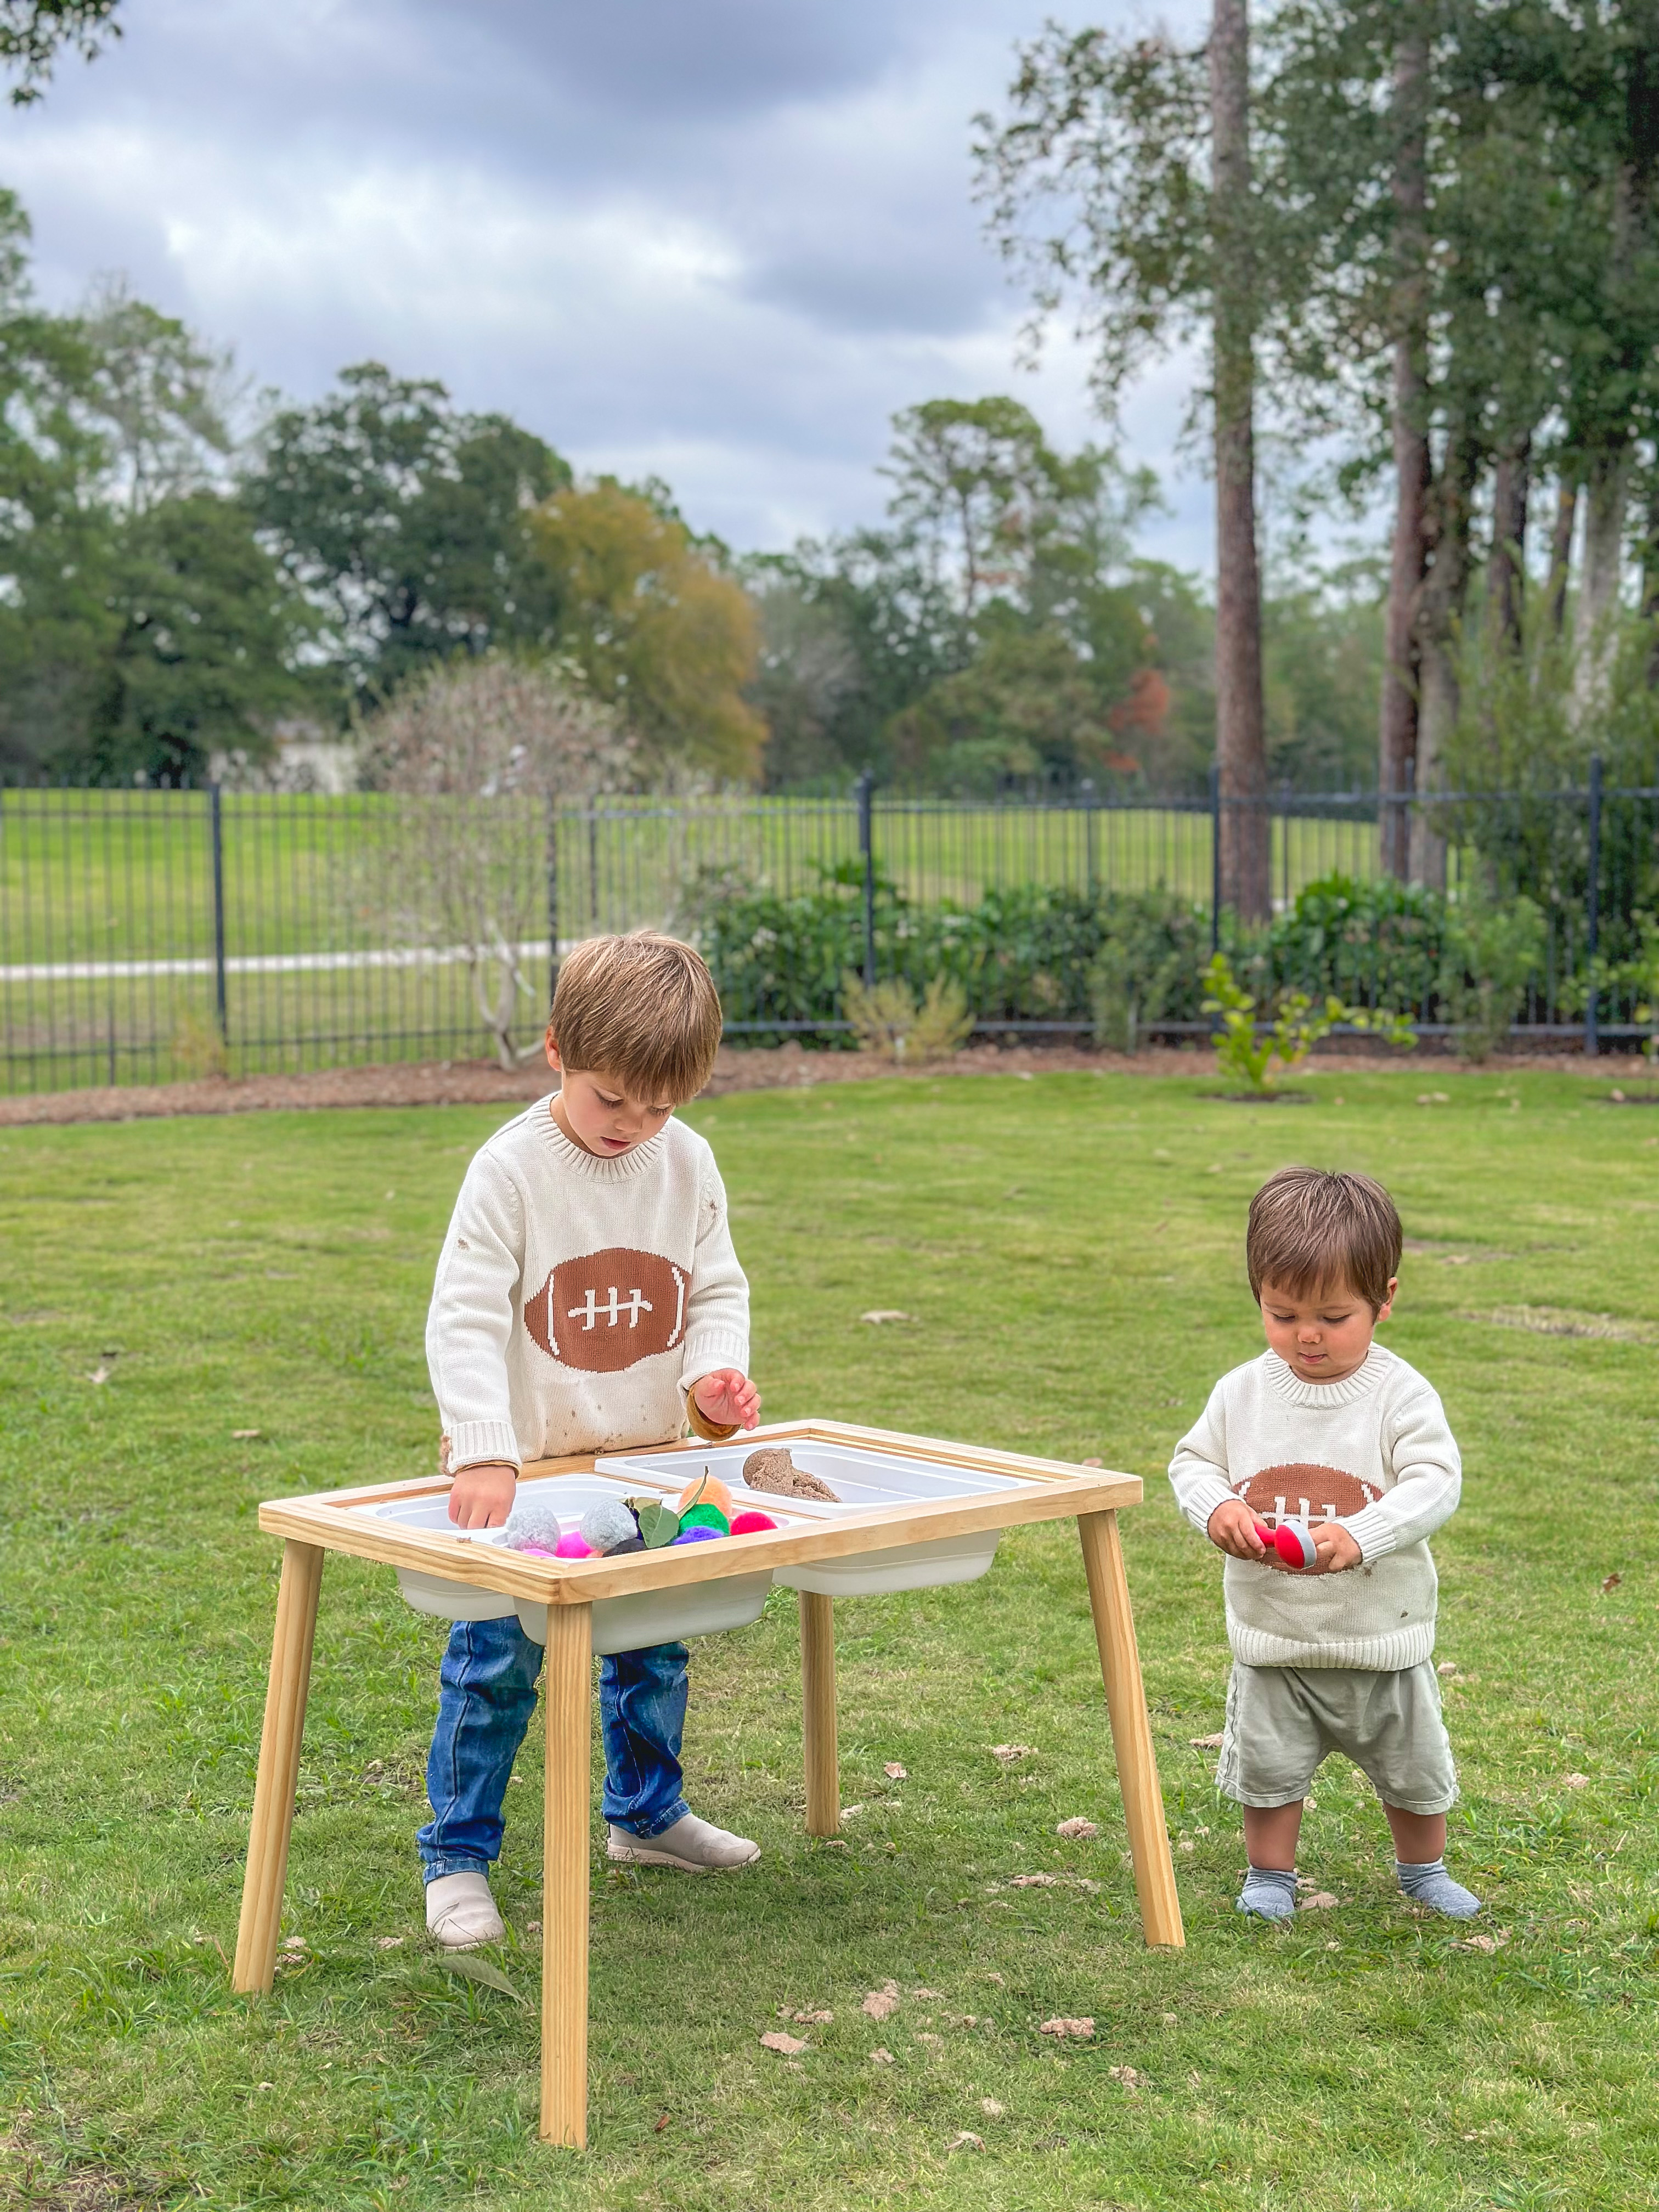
[696, 1536]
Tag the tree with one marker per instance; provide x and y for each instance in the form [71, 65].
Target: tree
[204, 636]
[1120, 185]
[661, 632]
[1240, 745]
[161, 398]
[33, 32]
[476, 754]
[408, 524]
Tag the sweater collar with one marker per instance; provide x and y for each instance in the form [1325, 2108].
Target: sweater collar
[1348, 1392]
[575, 1160]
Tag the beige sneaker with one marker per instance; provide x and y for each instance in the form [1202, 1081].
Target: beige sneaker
[461, 1914]
[693, 1846]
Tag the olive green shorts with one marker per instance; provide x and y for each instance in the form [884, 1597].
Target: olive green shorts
[1282, 1721]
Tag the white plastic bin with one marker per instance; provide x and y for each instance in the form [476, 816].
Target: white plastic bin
[861, 1478]
[620, 1624]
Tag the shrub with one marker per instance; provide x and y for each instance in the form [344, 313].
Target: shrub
[1030, 952]
[1379, 943]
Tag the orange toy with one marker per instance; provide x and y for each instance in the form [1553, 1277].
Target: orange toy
[707, 1490]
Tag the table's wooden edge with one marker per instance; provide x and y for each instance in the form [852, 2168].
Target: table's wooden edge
[993, 1461]
[1057, 1489]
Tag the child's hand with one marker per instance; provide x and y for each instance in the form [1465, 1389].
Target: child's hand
[481, 1497]
[1334, 1549]
[1231, 1527]
[726, 1396]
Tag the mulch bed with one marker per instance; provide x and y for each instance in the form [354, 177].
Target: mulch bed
[481, 1083]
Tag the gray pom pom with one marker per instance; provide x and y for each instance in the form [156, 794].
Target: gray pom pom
[532, 1521]
[608, 1524]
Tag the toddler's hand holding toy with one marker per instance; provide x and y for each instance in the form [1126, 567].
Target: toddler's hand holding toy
[728, 1398]
[481, 1497]
[1235, 1529]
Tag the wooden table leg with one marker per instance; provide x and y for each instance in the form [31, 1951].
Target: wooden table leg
[1132, 1729]
[567, 1808]
[279, 1767]
[817, 1676]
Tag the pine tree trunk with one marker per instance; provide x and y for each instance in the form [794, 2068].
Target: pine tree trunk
[1566, 519]
[1595, 618]
[1506, 569]
[1398, 729]
[1241, 719]
[1440, 621]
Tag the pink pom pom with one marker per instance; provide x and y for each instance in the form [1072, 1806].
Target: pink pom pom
[573, 1546]
[750, 1524]
[537, 1552]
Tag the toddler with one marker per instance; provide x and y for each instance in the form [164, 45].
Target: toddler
[1327, 1428]
[588, 1300]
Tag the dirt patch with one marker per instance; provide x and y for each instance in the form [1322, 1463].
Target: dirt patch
[783, 1067]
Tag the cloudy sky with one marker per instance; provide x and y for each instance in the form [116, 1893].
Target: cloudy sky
[719, 240]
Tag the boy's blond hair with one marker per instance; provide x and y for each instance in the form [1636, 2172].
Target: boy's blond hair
[1310, 1232]
[641, 1009]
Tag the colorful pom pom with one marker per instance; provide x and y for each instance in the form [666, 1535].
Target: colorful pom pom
[706, 1516]
[707, 1490]
[696, 1536]
[538, 1551]
[628, 1544]
[606, 1524]
[573, 1546]
[751, 1523]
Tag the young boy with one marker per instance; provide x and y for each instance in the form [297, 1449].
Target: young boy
[1327, 1428]
[588, 1299]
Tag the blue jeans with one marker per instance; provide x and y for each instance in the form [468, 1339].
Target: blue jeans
[487, 1697]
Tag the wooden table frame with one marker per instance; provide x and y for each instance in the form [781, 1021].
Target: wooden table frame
[334, 1520]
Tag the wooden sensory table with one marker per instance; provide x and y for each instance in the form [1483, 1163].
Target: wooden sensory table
[351, 1520]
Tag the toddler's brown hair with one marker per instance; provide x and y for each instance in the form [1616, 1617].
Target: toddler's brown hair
[642, 1009]
[1310, 1230]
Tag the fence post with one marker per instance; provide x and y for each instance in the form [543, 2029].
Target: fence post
[1215, 858]
[1593, 906]
[1091, 801]
[865, 787]
[216, 829]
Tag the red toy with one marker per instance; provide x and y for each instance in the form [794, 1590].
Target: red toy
[1290, 1541]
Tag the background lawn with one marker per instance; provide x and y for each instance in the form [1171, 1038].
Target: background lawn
[1071, 1249]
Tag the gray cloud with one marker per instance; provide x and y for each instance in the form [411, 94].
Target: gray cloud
[722, 241]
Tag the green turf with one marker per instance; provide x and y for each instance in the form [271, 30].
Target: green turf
[1070, 1247]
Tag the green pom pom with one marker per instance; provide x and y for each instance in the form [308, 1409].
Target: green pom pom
[706, 1517]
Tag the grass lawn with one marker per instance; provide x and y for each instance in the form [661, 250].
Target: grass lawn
[1071, 1248]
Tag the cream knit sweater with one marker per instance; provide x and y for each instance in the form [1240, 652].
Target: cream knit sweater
[578, 1299]
[1372, 1452]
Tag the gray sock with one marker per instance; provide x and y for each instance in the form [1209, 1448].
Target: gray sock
[1432, 1886]
[1269, 1893]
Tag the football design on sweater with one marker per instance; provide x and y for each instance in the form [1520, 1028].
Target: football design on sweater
[1330, 1494]
[609, 1309]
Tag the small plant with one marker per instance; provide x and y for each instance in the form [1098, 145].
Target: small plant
[199, 1050]
[886, 1018]
[1239, 1053]
[1300, 1025]
[1493, 953]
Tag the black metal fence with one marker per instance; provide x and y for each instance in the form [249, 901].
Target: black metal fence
[148, 935]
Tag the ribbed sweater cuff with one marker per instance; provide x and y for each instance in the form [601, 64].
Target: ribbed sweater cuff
[1201, 1499]
[1373, 1531]
[471, 1443]
[705, 1352]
